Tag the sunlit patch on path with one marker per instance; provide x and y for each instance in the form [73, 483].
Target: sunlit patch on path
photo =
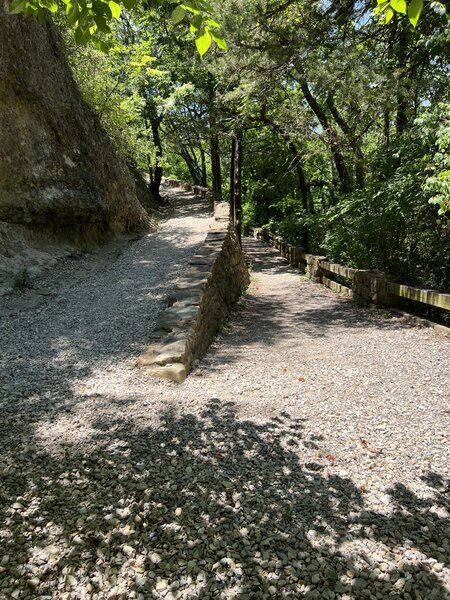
[305, 457]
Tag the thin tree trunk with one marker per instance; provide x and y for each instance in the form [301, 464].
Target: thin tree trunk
[192, 166]
[402, 96]
[303, 192]
[203, 160]
[157, 172]
[236, 183]
[336, 154]
[233, 155]
[238, 160]
[216, 170]
[387, 127]
[350, 133]
[301, 178]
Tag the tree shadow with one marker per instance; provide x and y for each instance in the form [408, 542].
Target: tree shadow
[307, 307]
[206, 506]
[103, 315]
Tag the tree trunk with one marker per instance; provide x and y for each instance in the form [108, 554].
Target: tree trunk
[204, 179]
[301, 179]
[192, 166]
[233, 152]
[336, 154]
[350, 133]
[216, 170]
[157, 172]
[214, 138]
[236, 182]
[401, 120]
[386, 127]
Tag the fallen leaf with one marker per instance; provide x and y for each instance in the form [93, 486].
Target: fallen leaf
[284, 369]
[301, 379]
[365, 444]
[330, 457]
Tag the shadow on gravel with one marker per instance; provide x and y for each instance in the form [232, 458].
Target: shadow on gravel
[310, 309]
[187, 204]
[103, 314]
[208, 507]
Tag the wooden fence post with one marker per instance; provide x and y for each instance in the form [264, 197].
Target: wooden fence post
[313, 267]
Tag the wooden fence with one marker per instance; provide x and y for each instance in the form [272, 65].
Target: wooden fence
[370, 286]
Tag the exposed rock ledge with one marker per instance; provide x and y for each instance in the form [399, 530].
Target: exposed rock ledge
[213, 281]
[60, 176]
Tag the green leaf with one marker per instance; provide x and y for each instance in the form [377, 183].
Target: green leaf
[212, 23]
[115, 9]
[101, 46]
[103, 10]
[414, 10]
[219, 40]
[381, 7]
[190, 6]
[196, 23]
[389, 15]
[203, 42]
[82, 36]
[72, 13]
[399, 6]
[16, 6]
[102, 24]
[129, 4]
[177, 14]
[52, 7]
[40, 15]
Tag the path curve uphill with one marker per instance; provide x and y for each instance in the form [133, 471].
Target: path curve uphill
[306, 457]
[94, 315]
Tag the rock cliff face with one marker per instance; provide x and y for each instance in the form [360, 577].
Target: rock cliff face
[59, 173]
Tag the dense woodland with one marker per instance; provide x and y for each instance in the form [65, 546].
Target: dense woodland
[342, 115]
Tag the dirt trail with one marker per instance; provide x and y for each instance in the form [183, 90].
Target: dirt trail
[307, 456]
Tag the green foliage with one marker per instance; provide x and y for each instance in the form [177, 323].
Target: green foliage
[91, 19]
[387, 9]
[345, 122]
[436, 124]
[387, 132]
[201, 24]
[103, 85]
[393, 227]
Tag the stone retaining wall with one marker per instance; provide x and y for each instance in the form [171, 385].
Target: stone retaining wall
[214, 280]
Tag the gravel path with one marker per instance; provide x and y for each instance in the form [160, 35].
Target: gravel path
[307, 456]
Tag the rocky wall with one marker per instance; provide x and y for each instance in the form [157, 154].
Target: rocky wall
[59, 171]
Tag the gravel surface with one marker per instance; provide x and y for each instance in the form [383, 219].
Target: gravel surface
[306, 457]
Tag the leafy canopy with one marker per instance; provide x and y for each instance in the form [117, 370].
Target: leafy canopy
[92, 18]
[387, 9]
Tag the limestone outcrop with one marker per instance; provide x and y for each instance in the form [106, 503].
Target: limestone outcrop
[59, 172]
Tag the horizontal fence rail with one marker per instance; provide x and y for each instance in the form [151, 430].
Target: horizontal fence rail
[364, 284]
[430, 297]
